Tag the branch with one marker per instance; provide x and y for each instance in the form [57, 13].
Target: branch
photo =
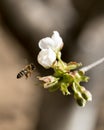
[87, 68]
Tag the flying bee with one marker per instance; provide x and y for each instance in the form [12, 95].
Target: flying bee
[28, 69]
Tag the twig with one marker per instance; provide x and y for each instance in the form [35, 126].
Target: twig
[87, 68]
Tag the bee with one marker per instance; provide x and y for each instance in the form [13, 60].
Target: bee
[28, 69]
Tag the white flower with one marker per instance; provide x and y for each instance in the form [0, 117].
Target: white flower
[46, 57]
[55, 42]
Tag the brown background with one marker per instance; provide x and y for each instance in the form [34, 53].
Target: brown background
[24, 104]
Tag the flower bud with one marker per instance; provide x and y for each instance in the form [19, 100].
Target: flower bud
[49, 81]
[87, 95]
[81, 102]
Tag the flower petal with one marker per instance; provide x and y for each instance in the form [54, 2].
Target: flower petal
[58, 40]
[46, 57]
[55, 42]
[46, 43]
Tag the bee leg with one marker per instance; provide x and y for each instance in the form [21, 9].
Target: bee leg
[29, 74]
[26, 75]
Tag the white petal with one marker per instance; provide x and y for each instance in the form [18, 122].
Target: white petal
[55, 42]
[46, 43]
[46, 57]
[58, 40]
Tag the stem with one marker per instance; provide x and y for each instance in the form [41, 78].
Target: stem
[87, 68]
[59, 58]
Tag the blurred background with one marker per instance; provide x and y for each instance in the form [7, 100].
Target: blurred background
[24, 104]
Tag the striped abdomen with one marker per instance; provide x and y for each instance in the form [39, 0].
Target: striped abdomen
[21, 74]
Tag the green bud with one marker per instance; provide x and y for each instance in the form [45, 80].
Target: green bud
[73, 65]
[82, 89]
[81, 102]
[87, 95]
[77, 94]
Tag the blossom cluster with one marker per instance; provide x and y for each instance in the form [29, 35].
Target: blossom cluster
[66, 76]
[49, 49]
